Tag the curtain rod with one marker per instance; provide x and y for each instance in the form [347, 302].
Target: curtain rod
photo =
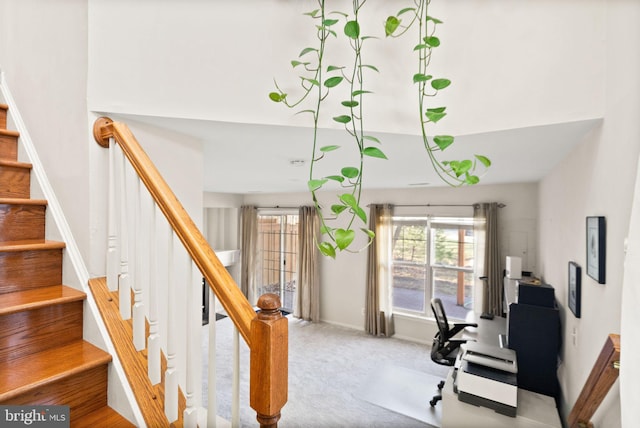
[440, 205]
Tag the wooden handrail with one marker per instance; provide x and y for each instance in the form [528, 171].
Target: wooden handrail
[603, 374]
[266, 333]
[233, 301]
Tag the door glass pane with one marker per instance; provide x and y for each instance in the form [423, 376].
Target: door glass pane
[278, 252]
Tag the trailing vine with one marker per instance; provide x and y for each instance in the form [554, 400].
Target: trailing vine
[318, 80]
[321, 80]
[452, 172]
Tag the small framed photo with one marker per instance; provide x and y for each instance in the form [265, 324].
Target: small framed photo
[596, 248]
[575, 279]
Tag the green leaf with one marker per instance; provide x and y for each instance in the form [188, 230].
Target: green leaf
[349, 200]
[338, 178]
[329, 22]
[342, 119]
[306, 51]
[334, 67]
[313, 13]
[337, 209]
[406, 9]
[461, 167]
[312, 81]
[420, 47]
[344, 238]
[391, 25]
[434, 20]
[438, 84]
[419, 77]
[329, 148]
[374, 152]
[434, 116]
[295, 63]
[327, 250]
[472, 179]
[333, 81]
[352, 29]
[277, 97]
[350, 172]
[360, 213]
[350, 104]
[484, 160]
[374, 68]
[432, 41]
[359, 92]
[443, 141]
[316, 184]
[371, 138]
[371, 234]
[324, 229]
[437, 109]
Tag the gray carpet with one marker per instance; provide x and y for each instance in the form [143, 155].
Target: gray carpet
[329, 369]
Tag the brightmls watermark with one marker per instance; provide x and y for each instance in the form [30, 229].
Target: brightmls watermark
[34, 416]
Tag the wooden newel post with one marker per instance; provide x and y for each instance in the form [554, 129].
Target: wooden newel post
[269, 361]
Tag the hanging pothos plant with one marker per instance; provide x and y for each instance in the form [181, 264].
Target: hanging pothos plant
[318, 79]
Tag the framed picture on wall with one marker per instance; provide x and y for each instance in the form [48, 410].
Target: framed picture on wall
[596, 248]
[575, 291]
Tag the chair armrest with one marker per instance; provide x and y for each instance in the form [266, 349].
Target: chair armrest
[459, 327]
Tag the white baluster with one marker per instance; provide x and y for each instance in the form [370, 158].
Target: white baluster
[112, 232]
[235, 386]
[212, 404]
[190, 417]
[139, 283]
[171, 374]
[124, 295]
[153, 345]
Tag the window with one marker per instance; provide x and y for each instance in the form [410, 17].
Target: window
[278, 251]
[432, 257]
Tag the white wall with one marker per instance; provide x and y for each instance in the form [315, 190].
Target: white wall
[343, 279]
[597, 178]
[217, 60]
[45, 65]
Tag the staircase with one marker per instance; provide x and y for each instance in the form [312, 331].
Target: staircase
[43, 357]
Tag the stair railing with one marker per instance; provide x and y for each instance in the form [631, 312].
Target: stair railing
[266, 333]
[603, 374]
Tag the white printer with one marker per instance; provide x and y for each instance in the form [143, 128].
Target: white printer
[487, 376]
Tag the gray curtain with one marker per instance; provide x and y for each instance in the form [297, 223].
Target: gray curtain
[486, 220]
[378, 304]
[249, 255]
[308, 303]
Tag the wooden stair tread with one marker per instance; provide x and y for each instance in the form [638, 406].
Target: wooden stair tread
[22, 201]
[15, 164]
[35, 370]
[14, 246]
[38, 297]
[103, 417]
[9, 133]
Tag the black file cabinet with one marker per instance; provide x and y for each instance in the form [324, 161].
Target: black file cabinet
[534, 333]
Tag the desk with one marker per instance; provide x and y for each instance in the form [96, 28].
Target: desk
[534, 410]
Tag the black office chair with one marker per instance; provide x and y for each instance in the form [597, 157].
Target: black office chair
[444, 348]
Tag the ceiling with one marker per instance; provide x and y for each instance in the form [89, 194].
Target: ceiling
[249, 158]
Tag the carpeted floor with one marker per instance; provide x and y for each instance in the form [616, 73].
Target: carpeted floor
[329, 366]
